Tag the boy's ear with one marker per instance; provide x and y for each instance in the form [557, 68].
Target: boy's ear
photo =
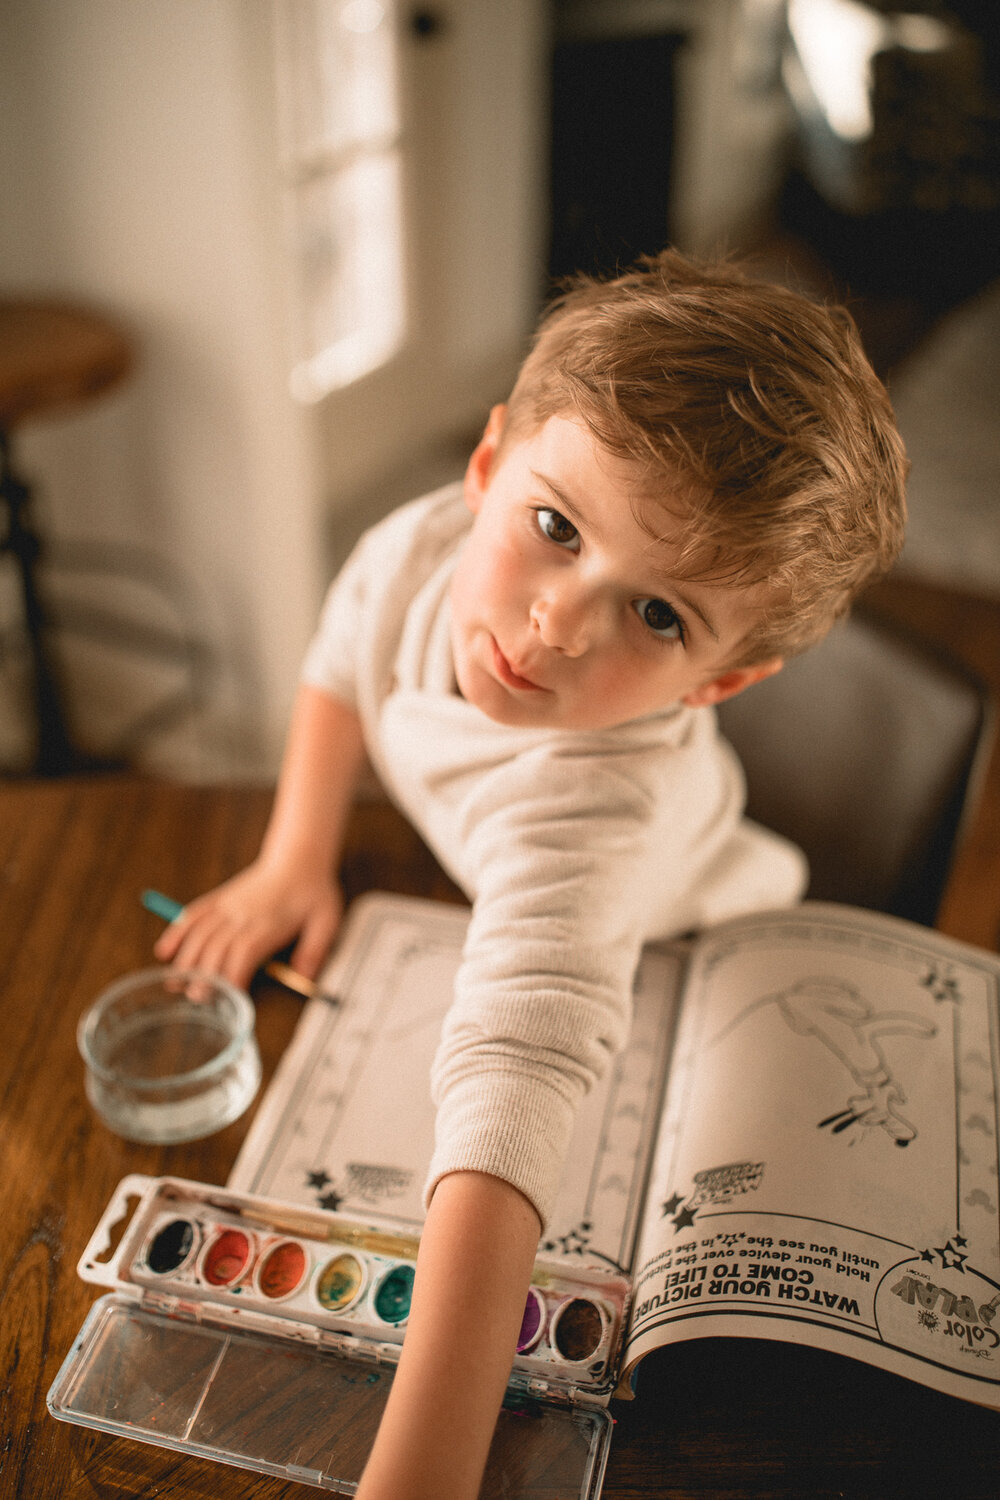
[480, 465]
[730, 683]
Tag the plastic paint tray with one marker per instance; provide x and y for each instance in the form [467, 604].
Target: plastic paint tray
[266, 1336]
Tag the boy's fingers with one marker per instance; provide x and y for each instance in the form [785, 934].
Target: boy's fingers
[207, 936]
[313, 944]
[165, 945]
[176, 931]
[168, 942]
[184, 944]
[305, 961]
[243, 959]
[219, 955]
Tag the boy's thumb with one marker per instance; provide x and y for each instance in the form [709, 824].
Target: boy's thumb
[313, 945]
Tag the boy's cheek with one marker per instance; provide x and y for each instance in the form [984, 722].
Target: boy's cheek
[491, 576]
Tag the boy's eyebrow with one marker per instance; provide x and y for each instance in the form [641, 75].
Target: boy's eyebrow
[694, 609]
[567, 504]
[576, 516]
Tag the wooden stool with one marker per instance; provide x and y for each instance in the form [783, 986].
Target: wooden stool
[53, 358]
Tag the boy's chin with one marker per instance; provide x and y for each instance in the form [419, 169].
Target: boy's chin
[511, 712]
[545, 714]
[514, 715]
[539, 711]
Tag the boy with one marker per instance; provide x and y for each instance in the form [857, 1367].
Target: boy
[693, 477]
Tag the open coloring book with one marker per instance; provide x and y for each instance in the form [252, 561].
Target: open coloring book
[799, 1142]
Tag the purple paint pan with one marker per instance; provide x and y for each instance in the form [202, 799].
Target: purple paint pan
[533, 1321]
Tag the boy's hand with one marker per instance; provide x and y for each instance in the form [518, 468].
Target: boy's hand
[289, 891]
[233, 929]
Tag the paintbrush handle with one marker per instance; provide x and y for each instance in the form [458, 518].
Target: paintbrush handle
[161, 905]
[381, 1242]
[293, 980]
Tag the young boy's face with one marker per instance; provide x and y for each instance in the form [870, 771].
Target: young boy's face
[564, 611]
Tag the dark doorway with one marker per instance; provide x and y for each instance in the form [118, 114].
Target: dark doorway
[613, 107]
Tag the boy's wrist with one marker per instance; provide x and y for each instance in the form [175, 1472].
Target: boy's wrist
[298, 863]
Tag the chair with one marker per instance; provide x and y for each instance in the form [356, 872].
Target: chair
[53, 358]
[866, 752]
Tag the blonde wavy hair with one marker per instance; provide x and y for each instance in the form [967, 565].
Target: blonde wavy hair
[751, 405]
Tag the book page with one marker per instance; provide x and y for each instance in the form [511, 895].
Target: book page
[826, 1171]
[348, 1123]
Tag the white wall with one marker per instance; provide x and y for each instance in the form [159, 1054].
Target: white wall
[141, 183]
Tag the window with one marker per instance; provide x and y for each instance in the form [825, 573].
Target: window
[342, 164]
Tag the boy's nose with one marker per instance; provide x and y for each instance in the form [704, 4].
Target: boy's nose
[567, 622]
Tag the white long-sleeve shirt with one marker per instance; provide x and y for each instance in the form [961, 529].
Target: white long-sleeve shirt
[575, 847]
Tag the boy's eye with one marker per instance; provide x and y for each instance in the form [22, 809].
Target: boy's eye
[556, 527]
[661, 618]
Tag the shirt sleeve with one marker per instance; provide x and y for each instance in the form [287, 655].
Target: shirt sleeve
[543, 995]
[330, 661]
[364, 614]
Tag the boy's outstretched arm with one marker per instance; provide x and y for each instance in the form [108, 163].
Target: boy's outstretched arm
[473, 1273]
[290, 890]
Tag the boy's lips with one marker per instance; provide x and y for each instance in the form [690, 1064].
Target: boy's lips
[507, 674]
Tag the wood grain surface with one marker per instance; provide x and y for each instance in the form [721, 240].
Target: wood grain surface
[715, 1418]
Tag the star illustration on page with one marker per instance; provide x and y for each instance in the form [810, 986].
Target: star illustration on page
[684, 1219]
[317, 1180]
[949, 1255]
[575, 1242]
[942, 984]
[672, 1205]
[331, 1201]
[951, 1258]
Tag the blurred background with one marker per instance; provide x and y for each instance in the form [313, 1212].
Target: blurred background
[324, 228]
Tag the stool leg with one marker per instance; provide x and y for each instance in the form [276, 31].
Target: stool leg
[54, 752]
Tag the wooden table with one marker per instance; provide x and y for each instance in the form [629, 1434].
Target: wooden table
[719, 1418]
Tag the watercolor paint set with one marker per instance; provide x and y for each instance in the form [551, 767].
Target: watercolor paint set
[265, 1335]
